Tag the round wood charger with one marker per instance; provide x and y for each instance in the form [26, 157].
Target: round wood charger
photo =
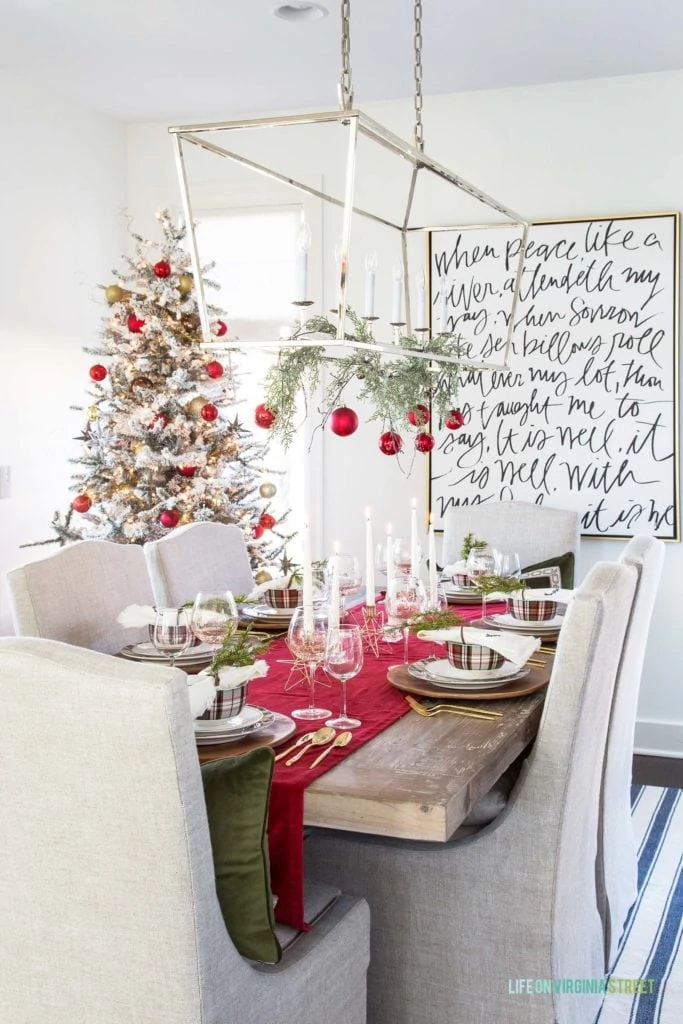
[281, 730]
[400, 677]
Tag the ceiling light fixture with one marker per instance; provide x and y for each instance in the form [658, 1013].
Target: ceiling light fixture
[407, 333]
[300, 12]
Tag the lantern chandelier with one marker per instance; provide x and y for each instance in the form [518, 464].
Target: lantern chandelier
[408, 333]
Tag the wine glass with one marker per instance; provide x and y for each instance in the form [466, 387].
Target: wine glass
[171, 634]
[214, 616]
[349, 574]
[403, 555]
[343, 661]
[436, 602]
[508, 566]
[405, 599]
[480, 563]
[306, 638]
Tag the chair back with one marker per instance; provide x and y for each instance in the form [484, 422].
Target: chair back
[76, 593]
[200, 556]
[107, 890]
[535, 532]
[554, 809]
[617, 866]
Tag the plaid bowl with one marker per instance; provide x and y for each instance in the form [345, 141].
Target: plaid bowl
[462, 579]
[473, 657]
[227, 703]
[283, 598]
[532, 610]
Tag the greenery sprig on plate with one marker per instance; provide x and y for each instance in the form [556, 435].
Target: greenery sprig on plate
[498, 585]
[471, 543]
[391, 388]
[436, 620]
[237, 650]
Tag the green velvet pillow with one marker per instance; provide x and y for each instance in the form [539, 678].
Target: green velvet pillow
[236, 790]
[565, 564]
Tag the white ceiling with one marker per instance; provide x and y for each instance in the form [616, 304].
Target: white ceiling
[177, 59]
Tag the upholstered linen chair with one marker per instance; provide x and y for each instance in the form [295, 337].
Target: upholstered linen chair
[453, 925]
[107, 893]
[76, 593]
[617, 867]
[201, 556]
[535, 532]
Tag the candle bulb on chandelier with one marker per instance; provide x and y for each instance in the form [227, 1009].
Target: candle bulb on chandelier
[370, 273]
[443, 305]
[421, 318]
[397, 294]
[303, 244]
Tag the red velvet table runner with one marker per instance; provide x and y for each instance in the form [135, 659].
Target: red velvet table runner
[372, 699]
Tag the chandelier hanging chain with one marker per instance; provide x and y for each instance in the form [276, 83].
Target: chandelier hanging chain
[417, 45]
[345, 83]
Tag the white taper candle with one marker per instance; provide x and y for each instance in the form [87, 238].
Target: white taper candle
[370, 271]
[303, 244]
[397, 294]
[307, 572]
[390, 553]
[369, 561]
[443, 305]
[333, 620]
[414, 559]
[421, 316]
[433, 578]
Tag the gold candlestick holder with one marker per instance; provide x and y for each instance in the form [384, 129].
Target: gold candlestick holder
[372, 628]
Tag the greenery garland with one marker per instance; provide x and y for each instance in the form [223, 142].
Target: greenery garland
[392, 388]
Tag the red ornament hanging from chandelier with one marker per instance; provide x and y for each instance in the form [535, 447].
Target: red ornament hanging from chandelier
[343, 422]
[263, 416]
[424, 442]
[418, 416]
[390, 443]
[454, 420]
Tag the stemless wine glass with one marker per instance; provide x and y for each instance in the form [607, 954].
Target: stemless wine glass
[348, 571]
[405, 599]
[343, 661]
[214, 616]
[172, 633]
[306, 638]
[480, 563]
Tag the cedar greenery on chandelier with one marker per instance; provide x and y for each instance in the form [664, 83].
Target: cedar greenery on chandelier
[400, 393]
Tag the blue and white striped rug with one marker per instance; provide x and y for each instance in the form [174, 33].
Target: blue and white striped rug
[652, 941]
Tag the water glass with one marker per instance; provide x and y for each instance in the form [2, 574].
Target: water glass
[343, 661]
[480, 563]
[406, 598]
[171, 634]
[306, 639]
[214, 616]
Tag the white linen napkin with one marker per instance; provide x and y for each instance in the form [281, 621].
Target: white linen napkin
[137, 615]
[513, 646]
[536, 594]
[201, 691]
[450, 570]
[281, 583]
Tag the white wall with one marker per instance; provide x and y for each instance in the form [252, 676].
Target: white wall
[63, 181]
[596, 148]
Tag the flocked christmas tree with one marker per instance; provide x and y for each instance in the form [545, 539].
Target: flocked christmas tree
[157, 449]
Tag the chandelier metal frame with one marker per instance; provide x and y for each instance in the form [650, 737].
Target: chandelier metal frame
[359, 125]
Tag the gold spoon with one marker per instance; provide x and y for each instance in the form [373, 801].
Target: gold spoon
[341, 741]
[302, 739]
[323, 735]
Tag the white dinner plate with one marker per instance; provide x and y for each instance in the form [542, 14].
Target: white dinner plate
[505, 619]
[443, 668]
[264, 611]
[248, 718]
[466, 682]
[141, 652]
[206, 738]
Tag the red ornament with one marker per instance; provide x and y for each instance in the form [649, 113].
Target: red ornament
[169, 518]
[267, 521]
[343, 422]
[209, 412]
[214, 370]
[135, 325]
[390, 443]
[418, 416]
[263, 416]
[425, 442]
[160, 417]
[98, 372]
[162, 269]
[257, 532]
[221, 328]
[454, 420]
[187, 470]
[81, 503]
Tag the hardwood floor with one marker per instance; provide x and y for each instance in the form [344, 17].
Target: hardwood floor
[657, 771]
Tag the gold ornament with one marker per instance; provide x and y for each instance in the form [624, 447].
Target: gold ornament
[186, 518]
[267, 490]
[93, 412]
[185, 283]
[230, 447]
[262, 576]
[194, 408]
[114, 293]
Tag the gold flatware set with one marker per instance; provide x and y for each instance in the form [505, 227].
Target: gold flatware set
[319, 738]
[484, 714]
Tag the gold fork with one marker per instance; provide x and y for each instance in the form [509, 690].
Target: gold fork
[438, 709]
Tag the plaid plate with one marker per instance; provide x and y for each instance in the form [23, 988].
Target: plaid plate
[283, 598]
[532, 610]
[226, 703]
[473, 657]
